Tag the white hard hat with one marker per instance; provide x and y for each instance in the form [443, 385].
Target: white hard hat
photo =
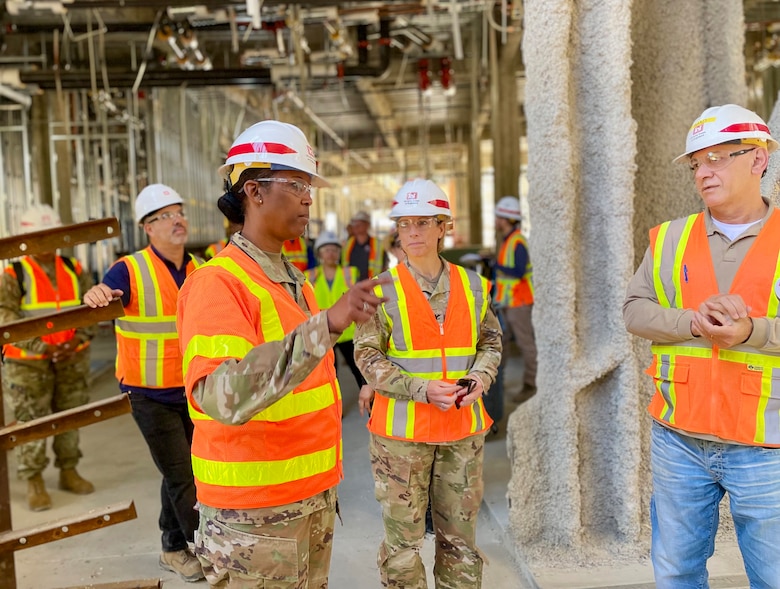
[508, 207]
[38, 218]
[271, 145]
[153, 198]
[420, 198]
[722, 124]
[326, 238]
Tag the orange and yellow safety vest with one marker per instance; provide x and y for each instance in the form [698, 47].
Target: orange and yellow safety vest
[511, 291]
[297, 253]
[292, 449]
[41, 297]
[375, 255]
[215, 248]
[147, 343]
[421, 347]
[733, 394]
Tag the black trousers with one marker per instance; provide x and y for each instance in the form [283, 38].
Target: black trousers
[167, 429]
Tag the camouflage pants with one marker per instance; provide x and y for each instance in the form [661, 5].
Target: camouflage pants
[38, 388]
[406, 474]
[285, 547]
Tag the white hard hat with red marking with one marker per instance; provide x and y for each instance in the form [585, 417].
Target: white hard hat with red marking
[508, 207]
[38, 218]
[724, 124]
[420, 198]
[153, 198]
[271, 145]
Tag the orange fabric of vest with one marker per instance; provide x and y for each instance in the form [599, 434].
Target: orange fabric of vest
[130, 351]
[430, 423]
[65, 291]
[296, 253]
[256, 441]
[719, 395]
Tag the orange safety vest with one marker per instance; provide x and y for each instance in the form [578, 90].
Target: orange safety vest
[41, 297]
[327, 294]
[296, 252]
[511, 291]
[289, 451]
[733, 394]
[375, 255]
[421, 347]
[215, 248]
[147, 343]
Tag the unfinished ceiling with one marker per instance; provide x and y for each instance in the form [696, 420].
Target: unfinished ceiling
[375, 78]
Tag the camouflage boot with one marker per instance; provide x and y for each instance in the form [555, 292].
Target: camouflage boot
[37, 497]
[72, 482]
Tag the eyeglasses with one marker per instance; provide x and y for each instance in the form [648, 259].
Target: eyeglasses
[168, 216]
[716, 160]
[297, 187]
[422, 223]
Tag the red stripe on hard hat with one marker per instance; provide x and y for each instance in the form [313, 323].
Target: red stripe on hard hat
[740, 127]
[440, 203]
[260, 147]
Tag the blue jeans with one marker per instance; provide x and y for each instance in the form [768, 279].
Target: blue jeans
[690, 477]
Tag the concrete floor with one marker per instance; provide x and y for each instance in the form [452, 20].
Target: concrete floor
[116, 460]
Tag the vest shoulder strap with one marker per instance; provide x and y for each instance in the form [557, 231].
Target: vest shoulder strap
[19, 271]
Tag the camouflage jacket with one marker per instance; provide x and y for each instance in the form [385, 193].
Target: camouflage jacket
[11, 300]
[383, 375]
[239, 389]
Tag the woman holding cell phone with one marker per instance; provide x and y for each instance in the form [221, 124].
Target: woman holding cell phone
[429, 353]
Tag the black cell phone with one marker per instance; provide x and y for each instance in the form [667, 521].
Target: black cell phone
[464, 382]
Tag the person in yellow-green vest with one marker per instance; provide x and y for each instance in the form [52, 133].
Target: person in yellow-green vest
[429, 353]
[149, 362]
[331, 280]
[514, 295]
[49, 373]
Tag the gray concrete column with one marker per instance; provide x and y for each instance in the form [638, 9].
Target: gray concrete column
[612, 88]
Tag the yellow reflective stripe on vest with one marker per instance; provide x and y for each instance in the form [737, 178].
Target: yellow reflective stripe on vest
[666, 372]
[263, 473]
[658, 248]
[289, 406]
[30, 304]
[216, 346]
[678, 270]
[272, 325]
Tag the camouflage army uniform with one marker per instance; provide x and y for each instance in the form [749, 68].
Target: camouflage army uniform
[286, 546]
[36, 388]
[407, 473]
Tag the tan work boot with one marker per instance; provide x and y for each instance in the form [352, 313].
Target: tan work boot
[72, 482]
[183, 563]
[37, 497]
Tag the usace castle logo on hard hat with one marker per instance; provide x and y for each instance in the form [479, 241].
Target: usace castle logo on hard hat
[411, 198]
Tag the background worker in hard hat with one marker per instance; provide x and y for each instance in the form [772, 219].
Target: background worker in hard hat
[149, 363]
[514, 295]
[213, 249]
[46, 374]
[428, 431]
[331, 280]
[260, 377]
[362, 250]
[706, 296]
[299, 254]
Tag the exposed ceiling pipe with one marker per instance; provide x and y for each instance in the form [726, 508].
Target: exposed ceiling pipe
[296, 100]
[15, 95]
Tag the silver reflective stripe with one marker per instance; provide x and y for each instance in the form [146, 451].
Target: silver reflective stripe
[28, 288]
[400, 417]
[432, 365]
[664, 365]
[148, 286]
[161, 327]
[475, 284]
[477, 416]
[394, 312]
[772, 410]
[149, 355]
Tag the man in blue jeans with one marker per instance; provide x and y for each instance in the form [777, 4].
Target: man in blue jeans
[149, 363]
[706, 295]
